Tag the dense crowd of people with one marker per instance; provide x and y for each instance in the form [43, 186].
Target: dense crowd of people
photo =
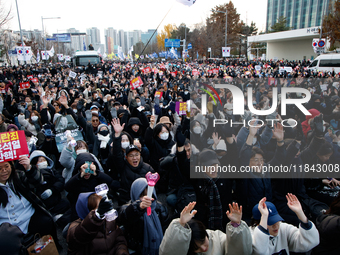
[114, 133]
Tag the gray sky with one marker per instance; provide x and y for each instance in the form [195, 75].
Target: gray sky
[123, 14]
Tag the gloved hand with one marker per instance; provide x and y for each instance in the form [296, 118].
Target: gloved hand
[80, 105]
[180, 137]
[317, 125]
[46, 194]
[104, 206]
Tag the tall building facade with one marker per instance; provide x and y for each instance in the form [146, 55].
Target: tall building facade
[145, 37]
[94, 34]
[299, 13]
[110, 39]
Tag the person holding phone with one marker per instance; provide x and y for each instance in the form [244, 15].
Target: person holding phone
[87, 178]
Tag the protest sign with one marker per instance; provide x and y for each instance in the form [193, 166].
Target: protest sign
[257, 67]
[324, 87]
[272, 81]
[195, 72]
[174, 74]
[147, 70]
[61, 138]
[25, 85]
[72, 74]
[181, 108]
[158, 94]
[12, 145]
[35, 80]
[136, 83]
[30, 77]
[155, 70]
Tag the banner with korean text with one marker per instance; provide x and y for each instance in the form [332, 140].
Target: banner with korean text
[13, 145]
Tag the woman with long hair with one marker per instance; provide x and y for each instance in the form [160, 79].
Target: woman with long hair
[32, 124]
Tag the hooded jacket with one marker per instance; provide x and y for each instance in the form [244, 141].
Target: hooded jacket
[131, 215]
[53, 179]
[90, 235]
[305, 125]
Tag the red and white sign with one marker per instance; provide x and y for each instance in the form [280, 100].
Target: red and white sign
[147, 70]
[136, 83]
[155, 70]
[35, 80]
[174, 74]
[30, 77]
[195, 72]
[25, 85]
[12, 145]
[158, 94]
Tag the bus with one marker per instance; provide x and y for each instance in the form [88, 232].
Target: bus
[82, 58]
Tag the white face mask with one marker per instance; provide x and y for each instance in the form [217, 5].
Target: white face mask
[164, 136]
[34, 118]
[75, 110]
[125, 145]
[42, 165]
[105, 100]
[339, 143]
[139, 103]
[186, 92]
[197, 130]
[95, 112]
[81, 151]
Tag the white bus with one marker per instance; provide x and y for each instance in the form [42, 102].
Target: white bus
[326, 63]
[82, 58]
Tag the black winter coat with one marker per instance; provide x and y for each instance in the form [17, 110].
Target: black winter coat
[131, 217]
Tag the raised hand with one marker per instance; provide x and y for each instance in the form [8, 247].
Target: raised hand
[44, 100]
[235, 213]
[263, 207]
[294, 205]
[152, 121]
[63, 100]
[25, 162]
[278, 132]
[253, 128]
[117, 127]
[216, 139]
[186, 214]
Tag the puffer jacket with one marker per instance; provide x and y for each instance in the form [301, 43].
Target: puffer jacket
[131, 217]
[52, 180]
[95, 236]
[329, 230]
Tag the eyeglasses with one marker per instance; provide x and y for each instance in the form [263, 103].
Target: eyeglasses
[55, 105]
[95, 120]
[134, 155]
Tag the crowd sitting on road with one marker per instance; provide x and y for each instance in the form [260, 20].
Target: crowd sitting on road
[118, 132]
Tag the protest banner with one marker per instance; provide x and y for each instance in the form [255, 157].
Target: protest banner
[147, 70]
[72, 74]
[258, 68]
[324, 87]
[61, 138]
[158, 94]
[195, 72]
[13, 145]
[174, 74]
[35, 80]
[25, 85]
[30, 77]
[181, 108]
[136, 83]
[155, 70]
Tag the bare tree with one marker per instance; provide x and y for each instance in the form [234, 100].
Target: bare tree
[5, 16]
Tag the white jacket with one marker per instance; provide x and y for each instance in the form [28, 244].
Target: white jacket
[176, 240]
[289, 238]
[28, 126]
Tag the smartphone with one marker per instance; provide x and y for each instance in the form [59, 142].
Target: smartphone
[88, 169]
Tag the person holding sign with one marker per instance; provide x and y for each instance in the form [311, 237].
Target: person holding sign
[144, 233]
[19, 205]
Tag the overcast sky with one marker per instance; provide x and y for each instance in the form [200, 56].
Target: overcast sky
[122, 14]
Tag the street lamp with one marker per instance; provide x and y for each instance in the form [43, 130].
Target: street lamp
[226, 24]
[42, 22]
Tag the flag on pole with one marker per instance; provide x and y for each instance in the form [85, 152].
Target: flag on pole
[38, 56]
[51, 52]
[187, 2]
[84, 46]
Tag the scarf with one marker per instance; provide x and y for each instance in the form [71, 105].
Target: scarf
[104, 140]
[215, 207]
[153, 233]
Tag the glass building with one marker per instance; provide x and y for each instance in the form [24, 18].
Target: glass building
[299, 13]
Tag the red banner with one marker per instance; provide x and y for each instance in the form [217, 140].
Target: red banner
[136, 83]
[147, 70]
[30, 77]
[35, 80]
[195, 72]
[174, 74]
[155, 70]
[12, 145]
[25, 85]
[158, 94]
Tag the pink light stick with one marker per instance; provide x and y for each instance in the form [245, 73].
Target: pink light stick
[152, 179]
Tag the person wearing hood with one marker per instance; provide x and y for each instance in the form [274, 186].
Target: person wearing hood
[68, 156]
[50, 191]
[306, 124]
[159, 141]
[144, 233]
[86, 179]
[131, 166]
[92, 233]
[101, 147]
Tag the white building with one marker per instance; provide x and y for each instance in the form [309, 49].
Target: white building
[291, 45]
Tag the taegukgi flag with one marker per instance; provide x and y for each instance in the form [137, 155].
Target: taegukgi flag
[187, 2]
